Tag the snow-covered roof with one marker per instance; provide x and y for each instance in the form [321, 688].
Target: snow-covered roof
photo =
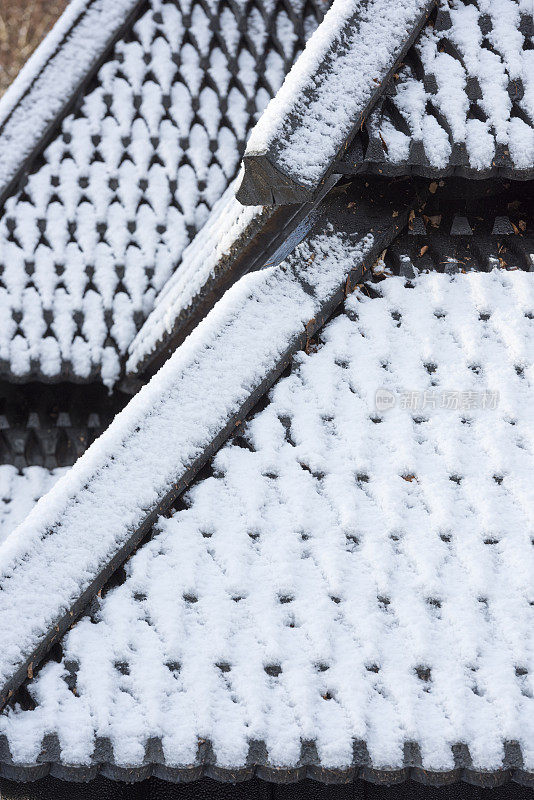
[326, 97]
[20, 490]
[463, 103]
[55, 561]
[130, 177]
[53, 75]
[351, 588]
[93, 241]
[204, 262]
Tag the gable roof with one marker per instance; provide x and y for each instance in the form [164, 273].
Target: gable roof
[326, 97]
[462, 104]
[101, 221]
[54, 562]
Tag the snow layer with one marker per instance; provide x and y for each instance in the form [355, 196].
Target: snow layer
[345, 574]
[52, 75]
[201, 262]
[488, 46]
[20, 490]
[101, 225]
[328, 90]
[92, 512]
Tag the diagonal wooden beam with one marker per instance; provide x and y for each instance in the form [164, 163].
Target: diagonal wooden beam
[234, 241]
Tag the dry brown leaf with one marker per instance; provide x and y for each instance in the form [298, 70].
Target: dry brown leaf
[423, 250]
[434, 220]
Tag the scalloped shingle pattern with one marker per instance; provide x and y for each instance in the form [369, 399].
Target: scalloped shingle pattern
[101, 222]
[464, 101]
[348, 577]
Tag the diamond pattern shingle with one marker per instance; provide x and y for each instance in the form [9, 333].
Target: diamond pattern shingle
[349, 575]
[131, 176]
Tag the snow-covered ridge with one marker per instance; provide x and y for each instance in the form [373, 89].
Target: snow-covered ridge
[331, 85]
[200, 262]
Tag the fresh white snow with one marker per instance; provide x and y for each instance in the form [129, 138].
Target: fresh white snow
[329, 88]
[498, 61]
[91, 513]
[52, 75]
[382, 562]
[19, 492]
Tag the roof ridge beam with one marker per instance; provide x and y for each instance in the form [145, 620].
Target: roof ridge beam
[234, 240]
[326, 97]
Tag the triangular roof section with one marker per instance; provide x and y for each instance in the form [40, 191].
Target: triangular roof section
[54, 75]
[98, 513]
[326, 97]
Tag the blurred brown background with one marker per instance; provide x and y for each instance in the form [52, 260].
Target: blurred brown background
[23, 23]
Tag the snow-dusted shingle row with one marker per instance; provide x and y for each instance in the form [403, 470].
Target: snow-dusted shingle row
[95, 515]
[468, 104]
[351, 576]
[202, 262]
[326, 97]
[52, 76]
[124, 187]
[20, 490]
